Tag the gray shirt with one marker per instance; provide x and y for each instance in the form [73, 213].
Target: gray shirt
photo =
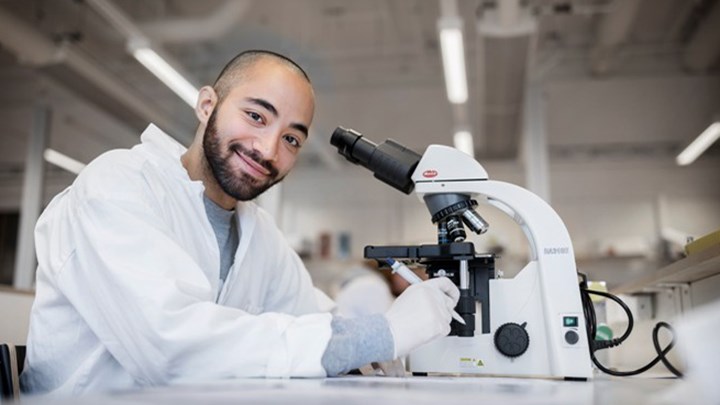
[225, 225]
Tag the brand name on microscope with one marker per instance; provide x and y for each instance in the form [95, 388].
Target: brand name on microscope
[557, 251]
[430, 173]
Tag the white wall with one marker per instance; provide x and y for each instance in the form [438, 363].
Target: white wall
[631, 109]
[15, 315]
[400, 113]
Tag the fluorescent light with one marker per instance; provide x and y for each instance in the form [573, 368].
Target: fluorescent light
[63, 161]
[699, 145]
[167, 74]
[464, 142]
[453, 58]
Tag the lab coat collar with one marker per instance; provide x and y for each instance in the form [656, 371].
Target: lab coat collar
[154, 137]
[166, 151]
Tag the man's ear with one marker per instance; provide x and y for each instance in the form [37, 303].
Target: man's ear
[207, 101]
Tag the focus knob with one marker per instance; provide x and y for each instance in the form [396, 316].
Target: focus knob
[512, 339]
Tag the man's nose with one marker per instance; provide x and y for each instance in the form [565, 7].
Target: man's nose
[267, 145]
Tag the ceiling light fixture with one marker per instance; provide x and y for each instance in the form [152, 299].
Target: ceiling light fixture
[167, 74]
[63, 161]
[453, 58]
[699, 145]
[463, 142]
[139, 46]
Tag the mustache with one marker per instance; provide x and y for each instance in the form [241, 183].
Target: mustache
[255, 156]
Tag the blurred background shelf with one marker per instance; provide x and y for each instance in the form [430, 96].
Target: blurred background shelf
[695, 267]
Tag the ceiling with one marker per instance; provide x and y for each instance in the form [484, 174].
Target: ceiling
[350, 49]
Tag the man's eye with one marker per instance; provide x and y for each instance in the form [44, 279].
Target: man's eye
[255, 116]
[293, 141]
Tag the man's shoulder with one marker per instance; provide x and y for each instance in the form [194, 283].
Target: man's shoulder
[113, 165]
[114, 173]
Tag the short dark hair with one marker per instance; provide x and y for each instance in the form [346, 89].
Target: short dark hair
[235, 69]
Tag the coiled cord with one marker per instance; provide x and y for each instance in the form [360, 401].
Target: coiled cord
[595, 345]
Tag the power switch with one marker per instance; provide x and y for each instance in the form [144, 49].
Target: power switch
[570, 321]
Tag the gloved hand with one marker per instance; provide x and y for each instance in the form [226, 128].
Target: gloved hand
[422, 313]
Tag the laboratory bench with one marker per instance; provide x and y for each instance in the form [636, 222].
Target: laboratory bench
[348, 390]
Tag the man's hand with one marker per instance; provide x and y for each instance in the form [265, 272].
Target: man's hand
[422, 313]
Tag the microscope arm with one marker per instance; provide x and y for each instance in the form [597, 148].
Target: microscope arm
[550, 245]
[445, 170]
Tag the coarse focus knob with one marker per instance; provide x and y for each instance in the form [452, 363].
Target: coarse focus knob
[512, 339]
[571, 337]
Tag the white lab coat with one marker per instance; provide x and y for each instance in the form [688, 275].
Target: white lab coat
[128, 286]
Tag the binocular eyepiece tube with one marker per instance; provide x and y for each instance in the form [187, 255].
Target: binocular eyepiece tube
[390, 162]
[394, 164]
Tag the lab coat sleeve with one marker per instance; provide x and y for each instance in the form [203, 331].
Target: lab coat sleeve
[151, 306]
[293, 291]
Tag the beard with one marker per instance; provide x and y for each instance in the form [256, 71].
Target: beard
[238, 185]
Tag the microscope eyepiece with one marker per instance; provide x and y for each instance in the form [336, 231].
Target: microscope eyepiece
[391, 162]
[346, 139]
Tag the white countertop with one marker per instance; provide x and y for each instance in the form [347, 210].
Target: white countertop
[410, 390]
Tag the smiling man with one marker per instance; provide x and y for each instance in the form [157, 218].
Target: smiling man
[256, 119]
[155, 266]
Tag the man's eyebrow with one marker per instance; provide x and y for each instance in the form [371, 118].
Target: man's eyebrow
[268, 106]
[264, 104]
[300, 127]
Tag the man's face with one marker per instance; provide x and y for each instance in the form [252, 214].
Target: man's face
[253, 136]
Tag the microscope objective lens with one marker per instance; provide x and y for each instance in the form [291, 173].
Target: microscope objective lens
[442, 233]
[456, 231]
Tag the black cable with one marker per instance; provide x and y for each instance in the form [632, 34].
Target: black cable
[656, 344]
[631, 320]
[595, 345]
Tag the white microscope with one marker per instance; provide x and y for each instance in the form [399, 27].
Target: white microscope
[531, 325]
